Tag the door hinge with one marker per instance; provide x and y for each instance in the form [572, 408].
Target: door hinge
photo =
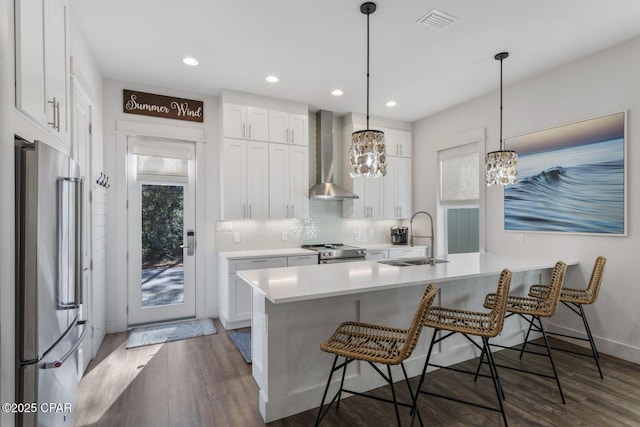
[91, 265]
[90, 128]
[127, 256]
[127, 204]
[90, 196]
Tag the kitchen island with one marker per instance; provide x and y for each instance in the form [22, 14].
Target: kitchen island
[294, 309]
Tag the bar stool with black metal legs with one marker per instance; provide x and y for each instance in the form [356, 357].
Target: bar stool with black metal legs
[480, 324]
[535, 308]
[375, 344]
[574, 299]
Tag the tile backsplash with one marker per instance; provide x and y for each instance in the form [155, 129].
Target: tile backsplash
[325, 225]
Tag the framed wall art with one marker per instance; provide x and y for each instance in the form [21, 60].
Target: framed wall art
[571, 179]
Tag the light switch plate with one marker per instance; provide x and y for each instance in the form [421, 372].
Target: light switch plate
[285, 236]
[236, 237]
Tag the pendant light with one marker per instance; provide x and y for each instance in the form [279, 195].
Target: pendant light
[367, 155]
[501, 165]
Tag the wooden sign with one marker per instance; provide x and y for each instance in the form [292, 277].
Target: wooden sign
[168, 107]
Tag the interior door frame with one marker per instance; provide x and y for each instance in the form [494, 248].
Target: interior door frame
[160, 313]
[117, 306]
[88, 349]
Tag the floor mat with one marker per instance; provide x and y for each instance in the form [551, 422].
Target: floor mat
[157, 334]
[242, 339]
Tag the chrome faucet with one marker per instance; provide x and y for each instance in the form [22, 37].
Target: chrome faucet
[431, 237]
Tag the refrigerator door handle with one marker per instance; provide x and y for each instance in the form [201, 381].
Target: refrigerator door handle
[79, 223]
[60, 362]
[70, 221]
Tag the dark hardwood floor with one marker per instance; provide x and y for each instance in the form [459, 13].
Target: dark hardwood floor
[205, 382]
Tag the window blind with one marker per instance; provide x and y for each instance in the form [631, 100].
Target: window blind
[460, 175]
[162, 160]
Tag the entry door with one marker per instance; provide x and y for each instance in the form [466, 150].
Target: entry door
[81, 153]
[162, 235]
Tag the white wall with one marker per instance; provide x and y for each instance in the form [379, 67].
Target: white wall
[208, 200]
[603, 83]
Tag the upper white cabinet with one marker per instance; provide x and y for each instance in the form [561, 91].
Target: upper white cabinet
[42, 63]
[288, 128]
[245, 190]
[265, 162]
[397, 188]
[288, 181]
[398, 142]
[245, 122]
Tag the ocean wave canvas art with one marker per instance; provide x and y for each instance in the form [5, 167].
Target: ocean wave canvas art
[571, 179]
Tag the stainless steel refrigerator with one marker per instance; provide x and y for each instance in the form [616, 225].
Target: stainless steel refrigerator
[48, 284]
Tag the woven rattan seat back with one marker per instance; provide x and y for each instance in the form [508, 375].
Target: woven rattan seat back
[413, 334]
[550, 299]
[594, 283]
[555, 285]
[498, 311]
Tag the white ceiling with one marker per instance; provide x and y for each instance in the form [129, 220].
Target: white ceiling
[315, 47]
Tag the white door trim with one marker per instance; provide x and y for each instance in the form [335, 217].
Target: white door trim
[121, 188]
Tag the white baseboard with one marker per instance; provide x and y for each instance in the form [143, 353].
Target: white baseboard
[612, 348]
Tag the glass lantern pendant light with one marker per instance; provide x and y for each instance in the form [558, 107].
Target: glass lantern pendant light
[367, 155]
[501, 165]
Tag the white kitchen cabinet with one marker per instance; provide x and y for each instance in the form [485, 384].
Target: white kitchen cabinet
[369, 204]
[245, 122]
[397, 188]
[288, 181]
[398, 142]
[376, 254]
[294, 261]
[288, 128]
[235, 293]
[42, 63]
[245, 182]
[407, 252]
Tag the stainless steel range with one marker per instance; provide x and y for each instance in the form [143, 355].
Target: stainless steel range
[337, 252]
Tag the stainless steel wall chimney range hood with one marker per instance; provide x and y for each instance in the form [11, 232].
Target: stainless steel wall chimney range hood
[325, 189]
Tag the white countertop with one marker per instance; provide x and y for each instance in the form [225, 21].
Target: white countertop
[266, 253]
[289, 284]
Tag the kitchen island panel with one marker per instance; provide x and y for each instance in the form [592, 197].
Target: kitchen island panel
[288, 365]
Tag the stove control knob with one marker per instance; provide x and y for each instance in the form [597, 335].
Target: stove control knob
[362, 252]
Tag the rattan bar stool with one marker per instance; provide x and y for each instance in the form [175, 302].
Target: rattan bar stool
[574, 299]
[535, 308]
[375, 344]
[480, 324]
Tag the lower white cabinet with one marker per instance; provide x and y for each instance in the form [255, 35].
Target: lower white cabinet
[235, 294]
[297, 260]
[375, 255]
[409, 252]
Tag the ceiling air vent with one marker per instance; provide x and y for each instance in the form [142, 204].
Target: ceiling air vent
[437, 20]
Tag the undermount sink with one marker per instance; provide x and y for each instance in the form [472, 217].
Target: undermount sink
[408, 262]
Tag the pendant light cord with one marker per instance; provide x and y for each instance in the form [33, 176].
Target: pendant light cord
[368, 70]
[501, 143]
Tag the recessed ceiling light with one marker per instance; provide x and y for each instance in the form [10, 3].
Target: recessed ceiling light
[190, 61]
[337, 92]
[272, 79]
[391, 103]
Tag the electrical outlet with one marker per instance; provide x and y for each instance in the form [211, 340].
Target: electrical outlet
[285, 236]
[236, 237]
[520, 239]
